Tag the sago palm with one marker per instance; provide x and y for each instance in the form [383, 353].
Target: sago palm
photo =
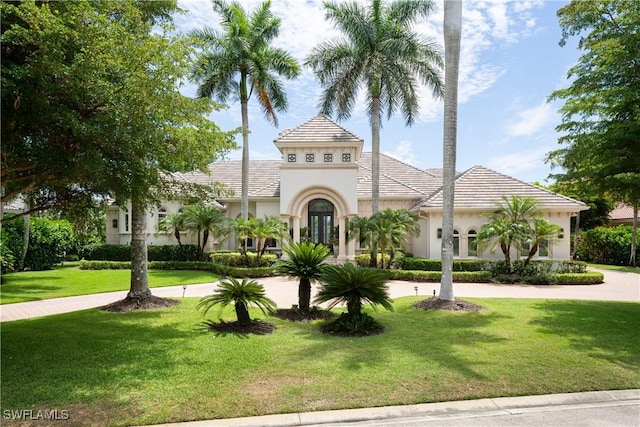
[239, 61]
[242, 295]
[354, 286]
[381, 53]
[304, 261]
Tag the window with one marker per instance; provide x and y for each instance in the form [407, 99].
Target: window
[456, 243]
[526, 247]
[328, 158]
[310, 158]
[472, 249]
[543, 249]
[114, 223]
[126, 219]
[271, 243]
[291, 158]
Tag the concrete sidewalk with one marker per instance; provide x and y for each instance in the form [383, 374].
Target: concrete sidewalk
[617, 286]
[598, 408]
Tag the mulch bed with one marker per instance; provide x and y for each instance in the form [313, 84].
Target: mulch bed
[130, 304]
[303, 316]
[327, 329]
[435, 303]
[256, 327]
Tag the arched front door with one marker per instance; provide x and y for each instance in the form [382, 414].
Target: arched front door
[320, 221]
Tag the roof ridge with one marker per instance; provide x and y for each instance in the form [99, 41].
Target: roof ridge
[525, 183]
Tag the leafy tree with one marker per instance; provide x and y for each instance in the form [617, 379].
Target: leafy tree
[304, 261]
[381, 53]
[49, 241]
[509, 226]
[242, 295]
[452, 36]
[206, 220]
[238, 61]
[601, 110]
[354, 286]
[91, 107]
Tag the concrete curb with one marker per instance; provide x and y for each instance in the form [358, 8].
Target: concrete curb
[465, 409]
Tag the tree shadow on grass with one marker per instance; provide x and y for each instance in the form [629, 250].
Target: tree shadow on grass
[602, 329]
[90, 356]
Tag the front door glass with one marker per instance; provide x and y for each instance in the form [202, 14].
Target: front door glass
[320, 221]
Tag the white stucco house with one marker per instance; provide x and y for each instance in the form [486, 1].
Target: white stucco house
[323, 179]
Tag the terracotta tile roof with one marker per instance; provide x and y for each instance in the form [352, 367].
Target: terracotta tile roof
[318, 129]
[398, 180]
[622, 212]
[480, 188]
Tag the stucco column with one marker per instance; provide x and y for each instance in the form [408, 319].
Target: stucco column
[296, 228]
[342, 247]
[351, 249]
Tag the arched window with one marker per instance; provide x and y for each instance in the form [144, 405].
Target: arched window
[472, 249]
[162, 213]
[456, 243]
[126, 219]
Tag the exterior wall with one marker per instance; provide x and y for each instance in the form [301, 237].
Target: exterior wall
[340, 181]
[467, 221]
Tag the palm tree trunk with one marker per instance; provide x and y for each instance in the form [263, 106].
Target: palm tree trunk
[242, 313]
[139, 288]
[244, 100]
[452, 36]
[304, 294]
[375, 169]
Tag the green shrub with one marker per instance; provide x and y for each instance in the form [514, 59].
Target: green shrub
[236, 259]
[105, 265]
[607, 245]
[436, 276]
[353, 325]
[588, 278]
[154, 252]
[363, 260]
[222, 270]
[425, 264]
[49, 241]
[13, 244]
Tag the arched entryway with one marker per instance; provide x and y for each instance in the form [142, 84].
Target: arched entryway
[321, 221]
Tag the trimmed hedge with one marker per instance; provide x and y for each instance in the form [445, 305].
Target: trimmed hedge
[588, 278]
[236, 259]
[363, 260]
[222, 270]
[435, 264]
[436, 276]
[154, 252]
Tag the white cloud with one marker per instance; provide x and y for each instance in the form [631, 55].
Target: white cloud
[516, 164]
[404, 152]
[532, 120]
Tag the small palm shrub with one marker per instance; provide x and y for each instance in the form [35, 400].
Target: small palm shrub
[354, 286]
[303, 261]
[242, 294]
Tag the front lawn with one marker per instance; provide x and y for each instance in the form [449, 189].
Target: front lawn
[161, 366]
[69, 280]
[622, 268]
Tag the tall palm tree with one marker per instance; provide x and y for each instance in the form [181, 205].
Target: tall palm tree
[380, 52]
[304, 261]
[242, 294]
[239, 61]
[452, 36]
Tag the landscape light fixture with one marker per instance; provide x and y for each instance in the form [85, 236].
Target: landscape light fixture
[184, 289]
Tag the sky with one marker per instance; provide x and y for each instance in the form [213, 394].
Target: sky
[510, 62]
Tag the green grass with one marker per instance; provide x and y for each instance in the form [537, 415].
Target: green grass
[69, 280]
[623, 268]
[160, 366]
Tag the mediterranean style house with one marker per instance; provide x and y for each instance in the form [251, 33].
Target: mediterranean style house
[323, 179]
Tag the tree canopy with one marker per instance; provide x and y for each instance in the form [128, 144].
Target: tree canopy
[90, 102]
[601, 111]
